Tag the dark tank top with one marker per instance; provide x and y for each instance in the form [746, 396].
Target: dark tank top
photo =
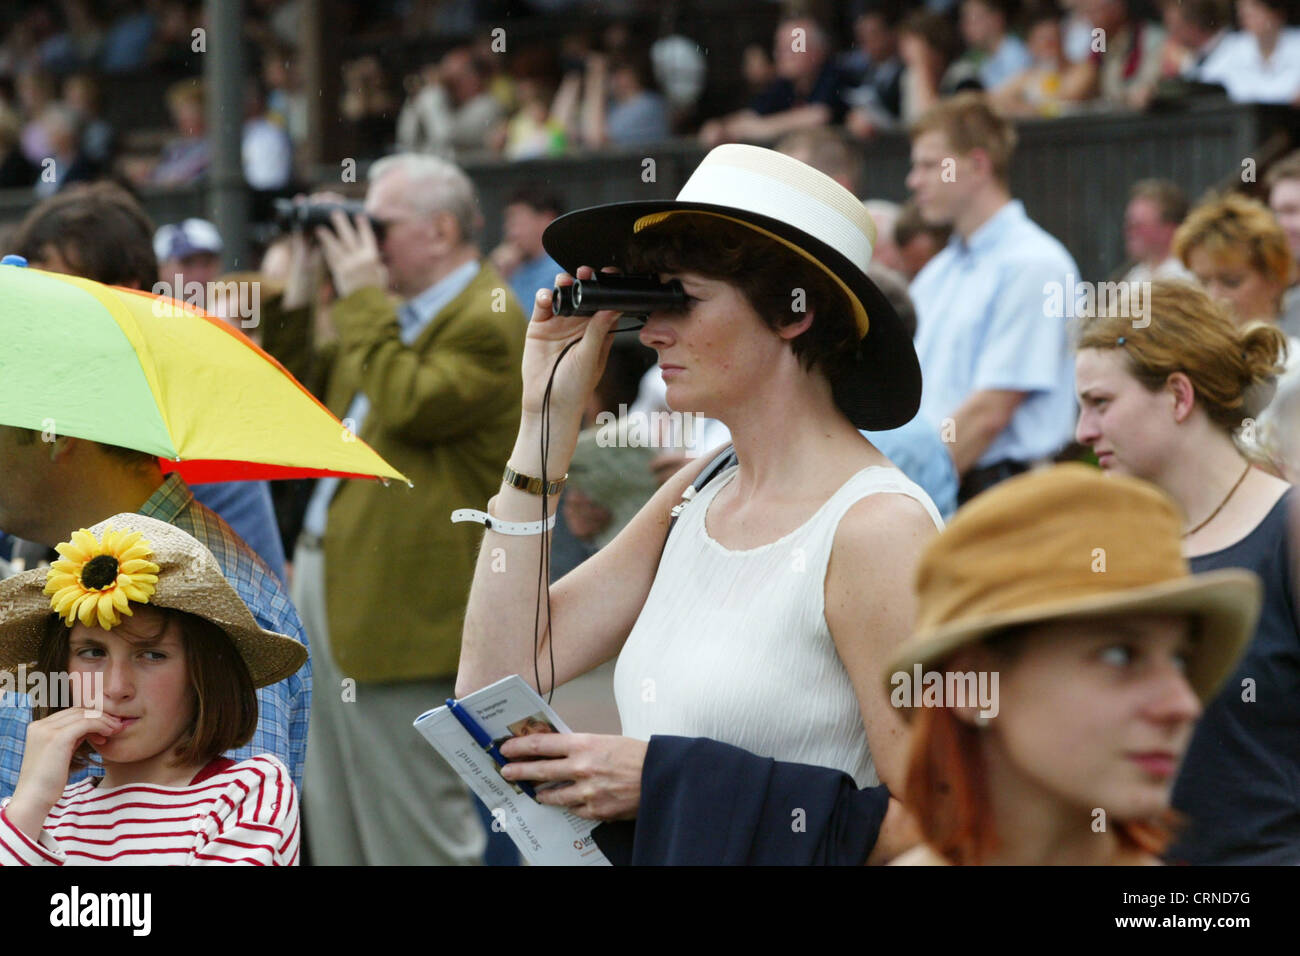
[1240, 781]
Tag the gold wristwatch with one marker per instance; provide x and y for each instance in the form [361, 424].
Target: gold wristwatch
[530, 484]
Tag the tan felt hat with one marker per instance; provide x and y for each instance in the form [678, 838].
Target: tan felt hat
[1068, 542]
[131, 558]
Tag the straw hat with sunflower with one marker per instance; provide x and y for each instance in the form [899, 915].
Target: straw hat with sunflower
[132, 559]
[96, 581]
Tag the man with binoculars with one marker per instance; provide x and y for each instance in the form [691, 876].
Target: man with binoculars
[432, 384]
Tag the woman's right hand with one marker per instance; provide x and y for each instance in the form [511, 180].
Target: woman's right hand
[581, 368]
[47, 759]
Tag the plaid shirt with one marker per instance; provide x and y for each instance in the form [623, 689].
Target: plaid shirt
[283, 708]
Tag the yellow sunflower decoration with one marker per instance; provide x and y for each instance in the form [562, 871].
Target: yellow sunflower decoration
[96, 580]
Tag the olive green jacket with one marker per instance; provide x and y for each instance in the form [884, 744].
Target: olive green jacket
[444, 412]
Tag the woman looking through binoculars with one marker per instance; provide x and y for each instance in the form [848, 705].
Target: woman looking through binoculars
[786, 580]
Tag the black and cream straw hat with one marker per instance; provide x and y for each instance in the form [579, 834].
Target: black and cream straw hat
[806, 211]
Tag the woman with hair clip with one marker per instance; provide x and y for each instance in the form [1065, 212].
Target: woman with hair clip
[1166, 402]
[786, 578]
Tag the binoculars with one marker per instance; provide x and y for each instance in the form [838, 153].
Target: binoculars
[632, 295]
[293, 216]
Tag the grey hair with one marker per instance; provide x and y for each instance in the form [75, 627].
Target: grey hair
[436, 186]
[1279, 424]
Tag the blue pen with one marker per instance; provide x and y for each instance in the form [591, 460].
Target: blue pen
[483, 740]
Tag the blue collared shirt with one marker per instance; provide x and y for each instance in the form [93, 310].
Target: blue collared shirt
[283, 709]
[919, 452]
[532, 275]
[984, 322]
[412, 318]
[246, 506]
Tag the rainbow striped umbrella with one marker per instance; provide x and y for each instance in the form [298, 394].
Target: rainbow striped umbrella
[141, 371]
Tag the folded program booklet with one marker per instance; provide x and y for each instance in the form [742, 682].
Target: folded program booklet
[545, 835]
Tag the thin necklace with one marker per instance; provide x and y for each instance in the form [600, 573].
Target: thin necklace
[1215, 512]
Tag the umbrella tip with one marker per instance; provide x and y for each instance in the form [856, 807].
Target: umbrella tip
[12, 260]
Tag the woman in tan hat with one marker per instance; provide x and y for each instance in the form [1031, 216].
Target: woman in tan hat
[1172, 398]
[754, 627]
[1061, 658]
[140, 657]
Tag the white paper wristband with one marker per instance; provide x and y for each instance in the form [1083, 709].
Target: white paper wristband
[503, 527]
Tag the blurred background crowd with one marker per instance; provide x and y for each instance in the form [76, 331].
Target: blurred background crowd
[114, 88]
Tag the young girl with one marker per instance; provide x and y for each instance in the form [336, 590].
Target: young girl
[1065, 653]
[161, 659]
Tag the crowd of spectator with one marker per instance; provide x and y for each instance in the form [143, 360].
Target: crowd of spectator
[868, 66]
[1035, 59]
[59, 63]
[397, 337]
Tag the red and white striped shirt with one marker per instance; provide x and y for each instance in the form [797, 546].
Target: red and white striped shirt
[246, 813]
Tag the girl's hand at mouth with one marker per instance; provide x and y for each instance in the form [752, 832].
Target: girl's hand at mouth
[47, 759]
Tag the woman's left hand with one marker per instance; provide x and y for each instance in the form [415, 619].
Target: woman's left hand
[605, 772]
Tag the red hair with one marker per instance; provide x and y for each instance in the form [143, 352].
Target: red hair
[946, 789]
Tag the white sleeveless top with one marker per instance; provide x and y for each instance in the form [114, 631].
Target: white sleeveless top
[734, 645]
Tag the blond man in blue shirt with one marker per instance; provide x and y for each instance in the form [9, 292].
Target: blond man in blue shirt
[991, 337]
